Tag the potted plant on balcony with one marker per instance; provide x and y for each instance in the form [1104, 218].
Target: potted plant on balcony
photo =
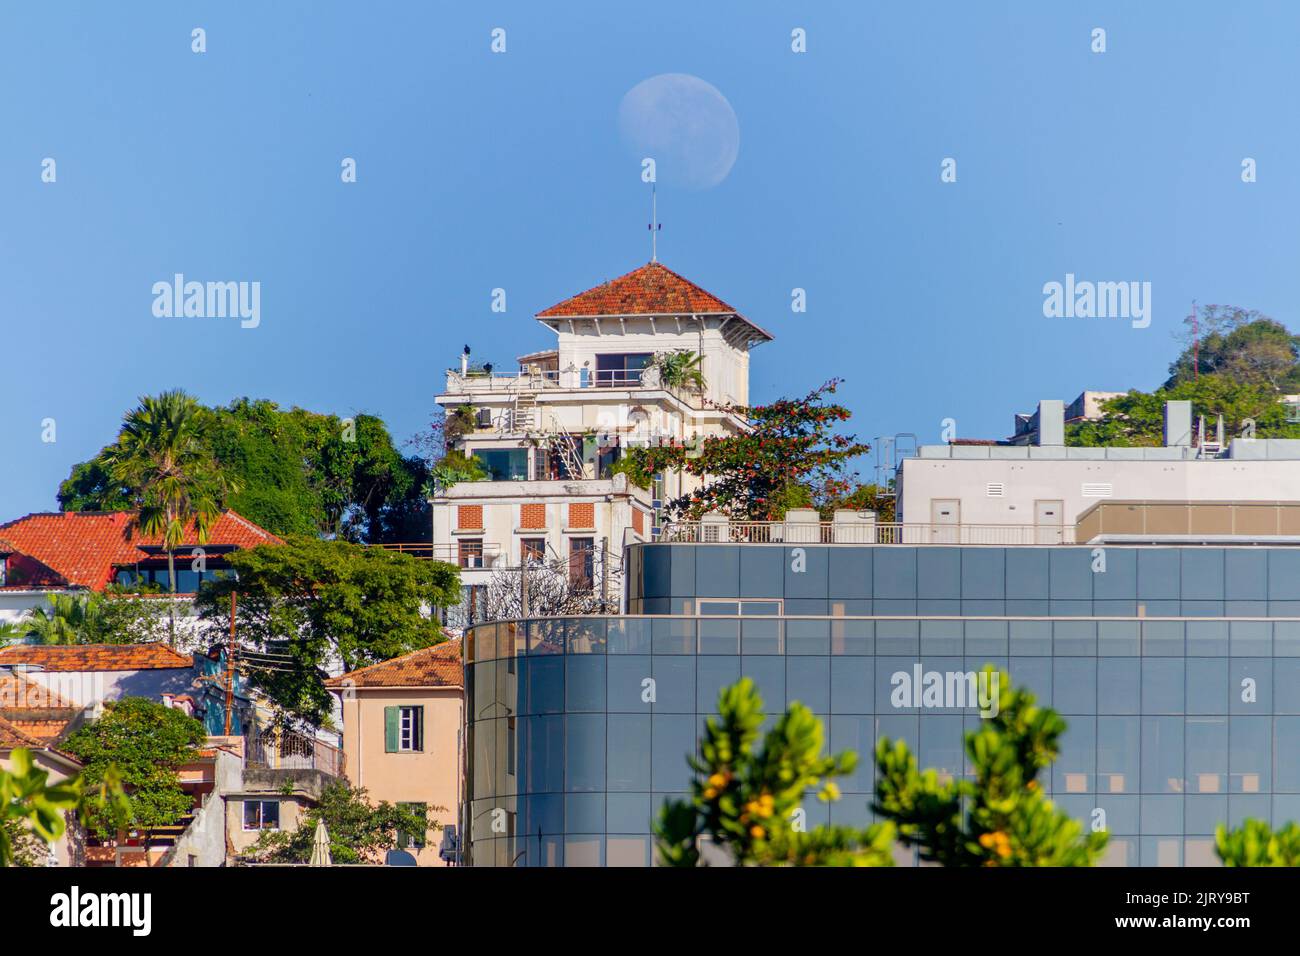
[680, 368]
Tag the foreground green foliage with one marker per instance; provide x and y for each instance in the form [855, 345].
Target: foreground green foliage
[359, 832]
[746, 799]
[312, 602]
[33, 812]
[999, 818]
[142, 744]
[1255, 843]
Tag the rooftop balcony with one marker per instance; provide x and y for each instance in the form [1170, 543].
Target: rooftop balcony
[475, 382]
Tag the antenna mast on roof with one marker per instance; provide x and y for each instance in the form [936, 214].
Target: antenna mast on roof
[655, 225]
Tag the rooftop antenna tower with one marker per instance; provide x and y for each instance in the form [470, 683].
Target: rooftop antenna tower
[655, 225]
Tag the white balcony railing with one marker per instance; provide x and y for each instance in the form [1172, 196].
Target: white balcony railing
[723, 531]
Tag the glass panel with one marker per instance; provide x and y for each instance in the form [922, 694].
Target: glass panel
[629, 636]
[584, 764]
[719, 636]
[808, 680]
[807, 637]
[584, 683]
[1118, 755]
[629, 752]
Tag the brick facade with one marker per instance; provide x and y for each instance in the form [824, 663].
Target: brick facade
[532, 516]
[469, 517]
[582, 515]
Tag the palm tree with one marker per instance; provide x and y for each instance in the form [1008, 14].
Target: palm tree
[681, 368]
[12, 631]
[175, 480]
[70, 619]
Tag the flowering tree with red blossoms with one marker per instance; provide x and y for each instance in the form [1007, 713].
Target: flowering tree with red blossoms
[791, 456]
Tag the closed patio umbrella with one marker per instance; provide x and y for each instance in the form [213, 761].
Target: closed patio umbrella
[320, 847]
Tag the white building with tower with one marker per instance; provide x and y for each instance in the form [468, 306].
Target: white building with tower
[549, 432]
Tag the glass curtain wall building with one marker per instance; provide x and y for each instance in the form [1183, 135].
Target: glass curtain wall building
[1176, 668]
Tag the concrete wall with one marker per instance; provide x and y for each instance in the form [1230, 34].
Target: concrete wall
[204, 841]
[89, 688]
[1026, 479]
[726, 368]
[431, 777]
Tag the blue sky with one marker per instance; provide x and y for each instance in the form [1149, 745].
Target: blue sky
[479, 170]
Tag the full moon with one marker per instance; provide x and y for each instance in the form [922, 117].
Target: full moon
[685, 125]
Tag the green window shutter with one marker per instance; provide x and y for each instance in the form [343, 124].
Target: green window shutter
[419, 724]
[392, 723]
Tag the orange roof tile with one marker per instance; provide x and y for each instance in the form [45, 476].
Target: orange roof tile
[81, 548]
[652, 289]
[11, 736]
[437, 666]
[94, 657]
[47, 732]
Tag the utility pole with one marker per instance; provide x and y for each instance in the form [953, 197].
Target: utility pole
[230, 662]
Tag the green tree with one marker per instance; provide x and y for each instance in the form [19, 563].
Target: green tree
[1137, 418]
[143, 744]
[176, 482]
[790, 453]
[680, 368]
[1255, 843]
[132, 615]
[293, 472]
[1000, 817]
[359, 832]
[455, 467]
[68, 619]
[315, 602]
[11, 632]
[746, 798]
[24, 847]
[1244, 345]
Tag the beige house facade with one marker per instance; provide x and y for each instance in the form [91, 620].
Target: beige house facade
[402, 743]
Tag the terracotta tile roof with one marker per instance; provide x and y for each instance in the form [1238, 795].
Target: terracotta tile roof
[17, 691]
[47, 732]
[437, 666]
[81, 548]
[12, 736]
[653, 289]
[94, 657]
